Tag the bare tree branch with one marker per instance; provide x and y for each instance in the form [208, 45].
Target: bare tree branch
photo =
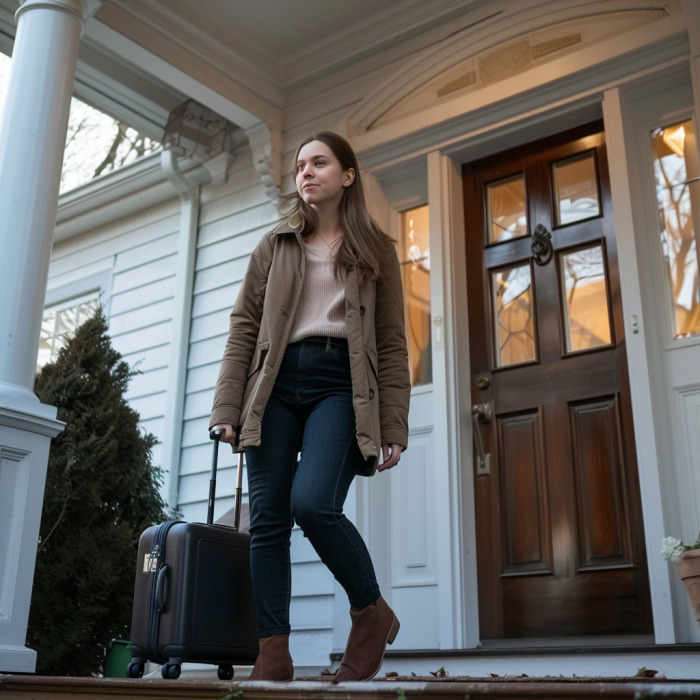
[114, 149]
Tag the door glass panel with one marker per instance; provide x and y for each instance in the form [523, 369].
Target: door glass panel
[678, 197]
[576, 189]
[507, 209]
[415, 267]
[586, 313]
[513, 315]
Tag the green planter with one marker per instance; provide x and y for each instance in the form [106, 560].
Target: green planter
[117, 659]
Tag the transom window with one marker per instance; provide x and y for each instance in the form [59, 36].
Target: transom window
[60, 323]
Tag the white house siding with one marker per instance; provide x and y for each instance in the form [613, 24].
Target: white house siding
[233, 218]
[140, 251]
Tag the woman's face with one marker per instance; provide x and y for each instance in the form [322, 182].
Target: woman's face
[320, 177]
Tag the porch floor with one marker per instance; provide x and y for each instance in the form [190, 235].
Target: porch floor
[26, 687]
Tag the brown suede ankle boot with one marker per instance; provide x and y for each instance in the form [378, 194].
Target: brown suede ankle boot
[372, 628]
[274, 663]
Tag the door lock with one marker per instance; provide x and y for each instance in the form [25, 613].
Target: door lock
[483, 383]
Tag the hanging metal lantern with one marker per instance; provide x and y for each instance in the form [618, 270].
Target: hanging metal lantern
[196, 131]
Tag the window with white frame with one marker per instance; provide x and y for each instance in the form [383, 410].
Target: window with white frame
[678, 194]
[415, 265]
[60, 323]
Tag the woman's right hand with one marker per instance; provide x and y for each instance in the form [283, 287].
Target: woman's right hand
[229, 432]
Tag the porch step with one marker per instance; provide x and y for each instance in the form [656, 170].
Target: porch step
[15, 687]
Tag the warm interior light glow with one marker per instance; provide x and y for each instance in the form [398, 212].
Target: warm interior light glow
[415, 263]
[675, 139]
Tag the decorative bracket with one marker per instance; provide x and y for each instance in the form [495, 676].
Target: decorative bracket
[266, 144]
[542, 249]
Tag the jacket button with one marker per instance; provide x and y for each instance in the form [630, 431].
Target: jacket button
[371, 393]
[362, 311]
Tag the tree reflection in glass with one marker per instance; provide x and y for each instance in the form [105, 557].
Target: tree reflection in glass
[678, 196]
[585, 299]
[515, 326]
[507, 209]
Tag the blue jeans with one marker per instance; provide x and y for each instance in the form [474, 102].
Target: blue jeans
[309, 411]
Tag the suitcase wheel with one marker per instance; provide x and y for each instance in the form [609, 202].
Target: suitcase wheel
[134, 670]
[225, 672]
[171, 671]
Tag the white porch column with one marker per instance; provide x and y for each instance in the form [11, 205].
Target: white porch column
[31, 154]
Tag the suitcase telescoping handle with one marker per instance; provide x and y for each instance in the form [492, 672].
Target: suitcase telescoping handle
[215, 435]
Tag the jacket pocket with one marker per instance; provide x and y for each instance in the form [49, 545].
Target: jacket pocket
[258, 357]
[372, 359]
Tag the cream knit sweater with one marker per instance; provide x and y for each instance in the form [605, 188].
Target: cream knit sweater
[321, 309]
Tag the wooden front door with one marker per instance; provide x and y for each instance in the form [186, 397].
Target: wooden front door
[560, 542]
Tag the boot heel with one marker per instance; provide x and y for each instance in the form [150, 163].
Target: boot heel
[394, 630]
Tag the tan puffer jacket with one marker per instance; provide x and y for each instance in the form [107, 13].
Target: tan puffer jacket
[262, 320]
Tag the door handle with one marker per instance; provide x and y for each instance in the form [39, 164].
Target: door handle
[481, 413]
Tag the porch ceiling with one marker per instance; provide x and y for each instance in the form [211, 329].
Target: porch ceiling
[285, 43]
[140, 58]
[278, 28]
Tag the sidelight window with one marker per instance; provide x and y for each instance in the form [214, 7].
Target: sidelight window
[415, 267]
[678, 197]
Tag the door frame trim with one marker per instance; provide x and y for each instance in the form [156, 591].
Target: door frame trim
[617, 127]
[452, 454]
[453, 459]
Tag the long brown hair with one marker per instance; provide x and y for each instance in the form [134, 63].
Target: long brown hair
[363, 243]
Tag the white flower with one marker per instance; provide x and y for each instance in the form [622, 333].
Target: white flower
[669, 548]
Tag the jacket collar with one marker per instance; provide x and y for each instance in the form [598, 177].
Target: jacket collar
[284, 227]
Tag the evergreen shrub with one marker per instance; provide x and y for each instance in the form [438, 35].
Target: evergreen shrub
[102, 491]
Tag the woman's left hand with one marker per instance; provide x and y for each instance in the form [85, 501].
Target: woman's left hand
[392, 455]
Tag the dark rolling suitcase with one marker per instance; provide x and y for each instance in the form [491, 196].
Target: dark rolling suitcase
[193, 597]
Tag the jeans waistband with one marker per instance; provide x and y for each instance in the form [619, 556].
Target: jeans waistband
[326, 340]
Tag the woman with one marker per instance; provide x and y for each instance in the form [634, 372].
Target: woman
[316, 363]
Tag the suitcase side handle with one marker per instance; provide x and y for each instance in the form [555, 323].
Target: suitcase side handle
[215, 435]
[160, 589]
